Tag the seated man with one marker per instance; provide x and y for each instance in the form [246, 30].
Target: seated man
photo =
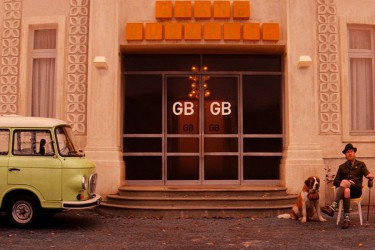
[348, 181]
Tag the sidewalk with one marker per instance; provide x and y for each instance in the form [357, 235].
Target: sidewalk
[89, 230]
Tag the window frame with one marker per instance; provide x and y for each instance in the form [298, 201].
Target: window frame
[35, 145]
[26, 60]
[344, 25]
[2, 130]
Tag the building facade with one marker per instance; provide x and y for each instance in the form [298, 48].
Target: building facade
[197, 92]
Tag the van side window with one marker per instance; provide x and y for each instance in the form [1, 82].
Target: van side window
[4, 141]
[32, 142]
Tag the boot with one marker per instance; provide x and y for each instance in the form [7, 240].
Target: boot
[346, 223]
[329, 210]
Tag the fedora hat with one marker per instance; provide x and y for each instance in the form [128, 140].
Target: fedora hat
[349, 146]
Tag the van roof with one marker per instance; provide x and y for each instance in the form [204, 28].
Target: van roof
[16, 121]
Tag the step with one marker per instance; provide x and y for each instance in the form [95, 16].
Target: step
[191, 212]
[206, 191]
[198, 201]
[237, 201]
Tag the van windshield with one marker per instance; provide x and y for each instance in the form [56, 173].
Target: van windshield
[65, 142]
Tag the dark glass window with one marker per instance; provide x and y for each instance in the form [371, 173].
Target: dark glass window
[185, 123]
[167, 62]
[142, 144]
[262, 98]
[183, 168]
[263, 144]
[221, 167]
[261, 168]
[182, 112]
[242, 62]
[185, 145]
[143, 104]
[143, 167]
[221, 107]
[221, 145]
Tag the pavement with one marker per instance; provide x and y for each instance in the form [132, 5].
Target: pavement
[89, 229]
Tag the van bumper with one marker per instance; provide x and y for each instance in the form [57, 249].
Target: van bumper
[93, 202]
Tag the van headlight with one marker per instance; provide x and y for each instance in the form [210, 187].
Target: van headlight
[92, 183]
[84, 183]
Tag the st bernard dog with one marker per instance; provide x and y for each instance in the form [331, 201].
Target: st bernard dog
[307, 206]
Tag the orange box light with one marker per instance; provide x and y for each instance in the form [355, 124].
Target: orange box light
[251, 31]
[232, 31]
[193, 31]
[202, 9]
[212, 31]
[134, 31]
[270, 32]
[163, 9]
[182, 9]
[173, 31]
[154, 31]
[222, 9]
[241, 10]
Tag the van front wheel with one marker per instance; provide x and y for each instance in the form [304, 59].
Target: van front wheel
[22, 210]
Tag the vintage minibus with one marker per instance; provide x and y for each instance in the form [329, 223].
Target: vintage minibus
[42, 171]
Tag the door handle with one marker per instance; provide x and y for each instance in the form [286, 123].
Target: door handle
[14, 169]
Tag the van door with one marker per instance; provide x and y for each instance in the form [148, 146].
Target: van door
[4, 156]
[34, 163]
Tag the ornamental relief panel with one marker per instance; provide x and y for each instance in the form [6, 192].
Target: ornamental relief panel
[10, 48]
[78, 30]
[328, 56]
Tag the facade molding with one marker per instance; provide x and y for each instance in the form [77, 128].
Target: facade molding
[10, 56]
[328, 67]
[77, 68]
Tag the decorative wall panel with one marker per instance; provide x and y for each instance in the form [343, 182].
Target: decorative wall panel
[10, 54]
[78, 32]
[329, 78]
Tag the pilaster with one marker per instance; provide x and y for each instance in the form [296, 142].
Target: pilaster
[104, 96]
[302, 154]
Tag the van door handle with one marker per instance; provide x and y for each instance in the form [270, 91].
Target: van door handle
[14, 169]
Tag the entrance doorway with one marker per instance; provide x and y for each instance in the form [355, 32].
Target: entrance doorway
[202, 128]
[202, 119]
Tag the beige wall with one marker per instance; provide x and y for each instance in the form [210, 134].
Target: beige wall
[45, 7]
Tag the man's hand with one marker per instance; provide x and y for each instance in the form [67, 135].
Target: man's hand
[370, 176]
[346, 183]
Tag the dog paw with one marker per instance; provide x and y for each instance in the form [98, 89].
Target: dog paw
[322, 219]
[303, 220]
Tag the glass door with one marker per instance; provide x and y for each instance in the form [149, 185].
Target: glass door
[202, 132]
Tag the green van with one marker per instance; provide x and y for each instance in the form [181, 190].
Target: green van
[41, 169]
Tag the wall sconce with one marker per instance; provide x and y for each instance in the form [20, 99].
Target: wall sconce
[304, 61]
[100, 62]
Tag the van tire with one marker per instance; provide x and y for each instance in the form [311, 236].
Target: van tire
[23, 210]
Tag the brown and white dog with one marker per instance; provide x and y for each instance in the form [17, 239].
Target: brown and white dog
[307, 206]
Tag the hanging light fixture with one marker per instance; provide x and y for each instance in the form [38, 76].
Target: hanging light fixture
[194, 83]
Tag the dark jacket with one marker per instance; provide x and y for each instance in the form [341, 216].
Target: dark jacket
[354, 173]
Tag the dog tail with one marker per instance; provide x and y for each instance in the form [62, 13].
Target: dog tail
[284, 216]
